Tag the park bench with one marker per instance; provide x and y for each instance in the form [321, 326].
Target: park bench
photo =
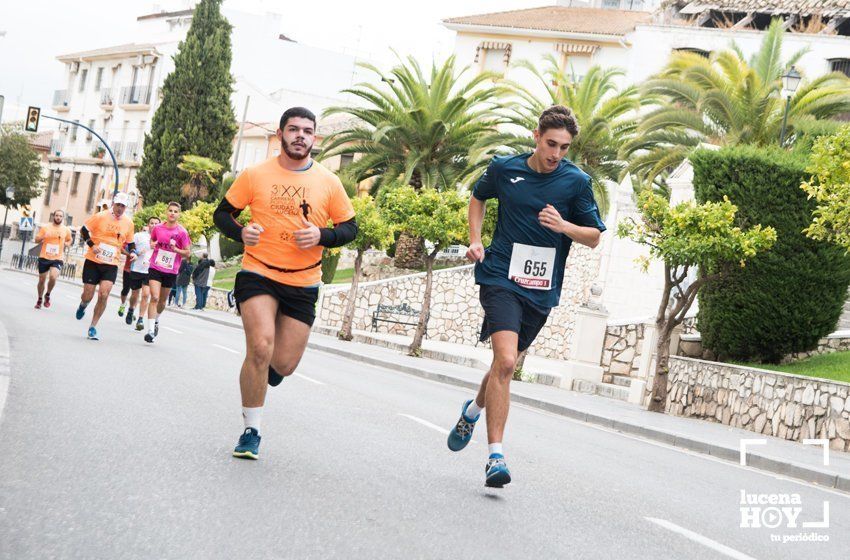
[396, 314]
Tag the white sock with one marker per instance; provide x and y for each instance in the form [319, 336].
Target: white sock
[252, 417]
[496, 448]
[473, 410]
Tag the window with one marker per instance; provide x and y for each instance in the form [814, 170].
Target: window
[345, 160]
[92, 191]
[75, 180]
[493, 56]
[49, 190]
[83, 75]
[57, 178]
[74, 129]
[611, 4]
[840, 65]
[89, 135]
[98, 79]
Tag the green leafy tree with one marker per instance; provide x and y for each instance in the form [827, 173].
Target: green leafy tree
[202, 175]
[195, 116]
[198, 221]
[687, 237]
[725, 100]
[438, 217]
[141, 217]
[422, 128]
[19, 168]
[374, 232]
[606, 114]
[830, 189]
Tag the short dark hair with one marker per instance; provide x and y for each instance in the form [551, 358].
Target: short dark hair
[293, 112]
[557, 117]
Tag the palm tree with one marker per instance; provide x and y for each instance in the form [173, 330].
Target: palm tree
[417, 127]
[605, 113]
[202, 172]
[725, 99]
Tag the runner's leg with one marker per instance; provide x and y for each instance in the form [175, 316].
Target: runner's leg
[41, 279]
[290, 341]
[103, 290]
[496, 384]
[259, 315]
[53, 274]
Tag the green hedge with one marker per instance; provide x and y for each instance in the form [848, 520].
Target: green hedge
[788, 298]
[229, 248]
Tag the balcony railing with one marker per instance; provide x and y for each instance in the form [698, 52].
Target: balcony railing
[129, 151]
[116, 148]
[135, 95]
[107, 97]
[56, 146]
[61, 98]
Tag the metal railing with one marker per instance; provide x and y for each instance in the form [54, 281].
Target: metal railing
[56, 146]
[107, 97]
[30, 263]
[129, 151]
[135, 95]
[61, 98]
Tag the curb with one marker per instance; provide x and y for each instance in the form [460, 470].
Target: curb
[785, 468]
[5, 368]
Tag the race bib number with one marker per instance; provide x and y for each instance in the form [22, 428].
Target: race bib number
[51, 250]
[531, 267]
[165, 259]
[107, 253]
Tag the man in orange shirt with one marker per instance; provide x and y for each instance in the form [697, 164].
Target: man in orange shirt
[292, 199]
[106, 233]
[55, 239]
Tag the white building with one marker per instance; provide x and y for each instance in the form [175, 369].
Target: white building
[117, 89]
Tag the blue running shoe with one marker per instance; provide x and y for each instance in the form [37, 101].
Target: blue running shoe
[497, 471]
[81, 311]
[249, 445]
[461, 434]
[93, 334]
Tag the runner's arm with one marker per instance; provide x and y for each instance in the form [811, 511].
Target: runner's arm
[477, 208]
[338, 235]
[86, 236]
[39, 237]
[224, 218]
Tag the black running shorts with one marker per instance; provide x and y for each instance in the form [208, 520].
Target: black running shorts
[94, 273]
[505, 310]
[295, 302]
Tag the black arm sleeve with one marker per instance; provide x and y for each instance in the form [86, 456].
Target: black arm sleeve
[338, 235]
[224, 218]
[131, 247]
[86, 236]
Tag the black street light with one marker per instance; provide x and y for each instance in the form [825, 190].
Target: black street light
[10, 194]
[790, 82]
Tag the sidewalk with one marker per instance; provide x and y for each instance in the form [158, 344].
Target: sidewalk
[779, 456]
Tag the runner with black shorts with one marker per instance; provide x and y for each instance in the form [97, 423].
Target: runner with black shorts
[171, 244]
[291, 198]
[125, 285]
[55, 239]
[139, 273]
[545, 204]
[107, 234]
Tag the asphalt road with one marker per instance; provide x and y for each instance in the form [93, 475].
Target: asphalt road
[120, 449]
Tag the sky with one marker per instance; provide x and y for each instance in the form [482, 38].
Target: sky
[34, 32]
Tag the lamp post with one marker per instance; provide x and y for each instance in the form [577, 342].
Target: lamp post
[10, 194]
[790, 81]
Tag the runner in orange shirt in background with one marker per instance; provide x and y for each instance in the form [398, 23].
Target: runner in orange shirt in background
[292, 199]
[106, 233]
[55, 239]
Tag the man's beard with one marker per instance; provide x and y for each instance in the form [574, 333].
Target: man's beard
[58, 221]
[292, 155]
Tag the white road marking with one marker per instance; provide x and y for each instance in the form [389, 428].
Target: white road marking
[226, 349]
[428, 424]
[705, 541]
[310, 379]
[172, 330]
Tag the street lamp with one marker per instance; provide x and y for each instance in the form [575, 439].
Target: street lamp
[790, 81]
[10, 194]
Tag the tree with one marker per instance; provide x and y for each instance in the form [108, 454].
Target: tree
[830, 189]
[725, 99]
[686, 237]
[436, 216]
[141, 217]
[19, 168]
[421, 128]
[202, 175]
[374, 232]
[198, 221]
[606, 114]
[195, 116]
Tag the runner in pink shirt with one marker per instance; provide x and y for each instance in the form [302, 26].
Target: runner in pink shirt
[171, 245]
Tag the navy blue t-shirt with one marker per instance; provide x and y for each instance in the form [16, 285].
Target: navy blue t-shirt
[522, 194]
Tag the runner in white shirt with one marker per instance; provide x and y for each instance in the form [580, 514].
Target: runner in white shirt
[139, 272]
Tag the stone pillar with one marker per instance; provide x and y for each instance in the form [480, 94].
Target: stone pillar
[585, 350]
[637, 390]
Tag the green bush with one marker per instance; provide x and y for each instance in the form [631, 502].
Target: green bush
[229, 248]
[786, 299]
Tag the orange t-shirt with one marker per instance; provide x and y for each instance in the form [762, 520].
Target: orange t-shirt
[53, 240]
[277, 197]
[110, 234]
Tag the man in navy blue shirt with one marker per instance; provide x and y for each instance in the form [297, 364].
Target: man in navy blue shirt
[545, 203]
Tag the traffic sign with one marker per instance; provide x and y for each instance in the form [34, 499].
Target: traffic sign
[26, 224]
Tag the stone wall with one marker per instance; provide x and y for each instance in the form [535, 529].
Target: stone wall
[839, 341]
[456, 313]
[765, 402]
[623, 343]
